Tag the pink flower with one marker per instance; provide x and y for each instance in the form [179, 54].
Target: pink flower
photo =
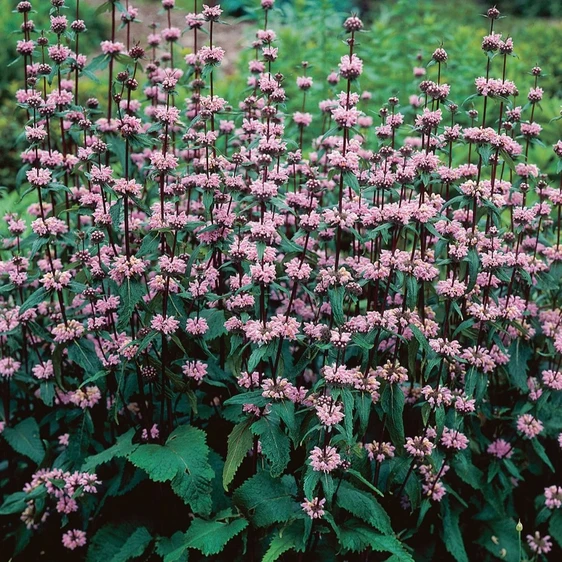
[112, 48]
[85, 399]
[8, 367]
[67, 332]
[328, 411]
[164, 325]
[529, 426]
[500, 449]
[195, 370]
[351, 68]
[74, 539]
[324, 460]
[453, 439]
[302, 119]
[418, 447]
[211, 55]
[211, 13]
[552, 379]
[314, 508]
[380, 451]
[197, 327]
[553, 497]
[44, 370]
[538, 544]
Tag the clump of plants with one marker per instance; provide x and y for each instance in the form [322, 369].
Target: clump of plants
[221, 340]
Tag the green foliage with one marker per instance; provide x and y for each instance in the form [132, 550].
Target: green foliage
[266, 500]
[183, 461]
[289, 538]
[239, 443]
[452, 535]
[118, 542]
[209, 537]
[363, 505]
[355, 537]
[24, 438]
[555, 526]
[393, 406]
[274, 442]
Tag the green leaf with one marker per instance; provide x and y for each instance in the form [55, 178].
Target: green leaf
[157, 461]
[290, 538]
[422, 340]
[84, 354]
[336, 297]
[350, 179]
[363, 480]
[473, 268]
[363, 403]
[392, 402]
[183, 460]
[24, 439]
[363, 505]
[467, 472]
[33, 300]
[149, 244]
[172, 549]
[118, 543]
[193, 481]
[540, 450]
[215, 319]
[506, 544]
[555, 526]
[17, 502]
[412, 286]
[274, 442]
[452, 536]
[122, 448]
[267, 500]
[355, 537]
[210, 537]
[131, 293]
[519, 355]
[239, 443]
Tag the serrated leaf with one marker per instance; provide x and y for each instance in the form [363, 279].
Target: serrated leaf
[34, 299]
[336, 297]
[240, 441]
[149, 244]
[541, 452]
[122, 448]
[210, 537]
[215, 320]
[355, 537]
[172, 549]
[193, 480]
[24, 439]
[183, 461]
[519, 355]
[290, 538]
[555, 526]
[363, 505]
[17, 502]
[83, 353]
[131, 293]
[392, 402]
[274, 442]
[118, 543]
[473, 268]
[452, 536]
[159, 463]
[267, 500]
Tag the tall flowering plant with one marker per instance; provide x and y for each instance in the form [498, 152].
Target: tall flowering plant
[222, 338]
